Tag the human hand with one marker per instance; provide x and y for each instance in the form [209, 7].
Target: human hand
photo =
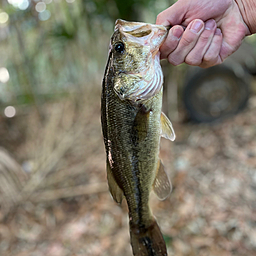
[214, 30]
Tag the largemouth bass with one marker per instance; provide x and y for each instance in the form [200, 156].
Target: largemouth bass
[132, 124]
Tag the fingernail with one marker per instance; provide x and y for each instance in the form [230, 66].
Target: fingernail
[177, 32]
[210, 24]
[218, 32]
[196, 26]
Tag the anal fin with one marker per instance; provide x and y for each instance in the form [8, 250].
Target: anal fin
[162, 185]
[167, 130]
[114, 189]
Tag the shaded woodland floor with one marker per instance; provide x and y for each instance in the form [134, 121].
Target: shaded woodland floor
[211, 210]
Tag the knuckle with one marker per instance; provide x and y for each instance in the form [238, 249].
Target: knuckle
[174, 61]
[233, 48]
[192, 60]
[186, 41]
[208, 64]
[204, 38]
[170, 44]
[209, 58]
[159, 18]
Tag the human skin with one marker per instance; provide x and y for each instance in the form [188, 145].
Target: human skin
[213, 30]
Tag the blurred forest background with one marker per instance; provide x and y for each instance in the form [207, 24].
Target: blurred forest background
[54, 198]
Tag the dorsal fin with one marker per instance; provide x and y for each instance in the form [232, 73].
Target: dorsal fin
[162, 185]
[167, 130]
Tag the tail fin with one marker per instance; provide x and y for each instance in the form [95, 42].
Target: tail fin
[147, 242]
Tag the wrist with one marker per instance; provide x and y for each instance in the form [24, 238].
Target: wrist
[248, 9]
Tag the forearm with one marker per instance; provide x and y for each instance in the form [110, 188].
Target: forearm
[248, 11]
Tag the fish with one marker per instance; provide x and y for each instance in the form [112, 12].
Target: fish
[132, 124]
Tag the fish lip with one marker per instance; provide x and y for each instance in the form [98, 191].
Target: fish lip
[128, 26]
[155, 38]
[132, 25]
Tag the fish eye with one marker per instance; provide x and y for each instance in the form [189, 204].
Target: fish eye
[119, 47]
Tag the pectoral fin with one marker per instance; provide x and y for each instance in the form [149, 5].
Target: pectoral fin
[114, 189]
[167, 130]
[162, 185]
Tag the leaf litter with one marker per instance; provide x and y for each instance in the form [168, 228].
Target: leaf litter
[64, 207]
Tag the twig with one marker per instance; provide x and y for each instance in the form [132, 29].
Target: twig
[69, 192]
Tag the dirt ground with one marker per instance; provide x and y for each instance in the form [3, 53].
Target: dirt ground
[210, 212]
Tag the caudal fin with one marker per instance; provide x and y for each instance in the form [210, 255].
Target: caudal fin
[147, 242]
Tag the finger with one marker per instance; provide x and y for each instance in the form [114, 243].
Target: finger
[195, 56]
[231, 40]
[187, 42]
[171, 41]
[172, 15]
[212, 55]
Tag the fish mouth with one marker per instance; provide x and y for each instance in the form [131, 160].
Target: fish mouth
[152, 34]
[149, 35]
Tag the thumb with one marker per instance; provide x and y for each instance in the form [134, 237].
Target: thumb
[174, 15]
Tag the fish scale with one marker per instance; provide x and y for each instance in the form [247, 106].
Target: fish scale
[132, 124]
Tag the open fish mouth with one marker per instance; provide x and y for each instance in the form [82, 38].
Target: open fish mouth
[148, 82]
[144, 33]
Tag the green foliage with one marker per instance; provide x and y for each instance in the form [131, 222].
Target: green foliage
[67, 51]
